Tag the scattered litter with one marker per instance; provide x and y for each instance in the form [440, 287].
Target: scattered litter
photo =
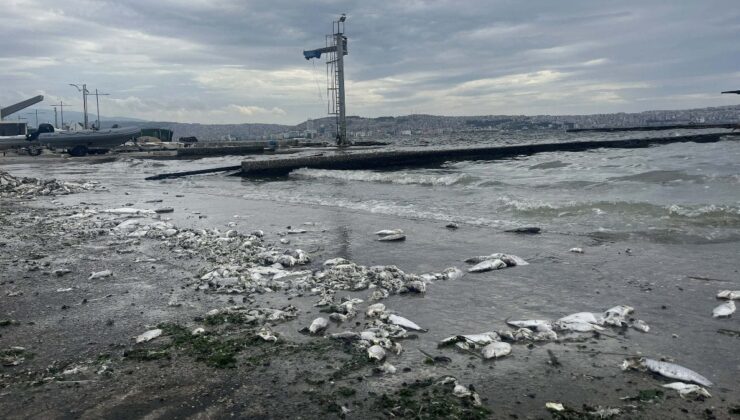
[149, 335]
[724, 310]
[100, 274]
[669, 370]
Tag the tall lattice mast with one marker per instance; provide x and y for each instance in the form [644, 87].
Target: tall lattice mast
[335, 50]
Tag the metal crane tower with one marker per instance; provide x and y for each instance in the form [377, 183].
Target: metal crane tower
[335, 50]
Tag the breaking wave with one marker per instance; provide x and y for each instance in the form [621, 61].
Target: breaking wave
[396, 177]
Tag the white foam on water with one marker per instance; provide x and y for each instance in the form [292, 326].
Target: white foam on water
[394, 177]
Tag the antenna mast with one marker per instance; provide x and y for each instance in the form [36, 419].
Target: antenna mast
[335, 50]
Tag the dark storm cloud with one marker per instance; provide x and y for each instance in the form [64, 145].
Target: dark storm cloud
[240, 61]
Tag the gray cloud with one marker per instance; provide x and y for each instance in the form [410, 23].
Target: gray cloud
[230, 61]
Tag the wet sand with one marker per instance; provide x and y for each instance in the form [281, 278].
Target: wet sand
[671, 287]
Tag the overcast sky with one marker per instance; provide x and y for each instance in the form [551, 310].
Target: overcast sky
[235, 61]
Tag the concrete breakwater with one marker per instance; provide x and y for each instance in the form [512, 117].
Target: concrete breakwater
[408, 157]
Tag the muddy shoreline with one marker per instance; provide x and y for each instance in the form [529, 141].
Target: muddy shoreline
[80, 359]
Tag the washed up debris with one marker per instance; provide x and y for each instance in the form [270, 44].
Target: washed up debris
[386, 232]
[496, 349]
[386, 368]
[296, 231]
[64, 289]
[494, 261]
[100, 274]
[553, 406]
[148, 336]
[129, 211]
[376, 352]
[685, 390]
[198, 331]
[452, 225]
[162, 210]
[728, 332]
[724, 310]
[13, 356]
[318, 325]
[60, 272]
[530, 323]
[462, 391]
[529, 230]
[729, 294]
[376, 309]
[669, 370]
[576, 250]
[25, 187]
[616, 316]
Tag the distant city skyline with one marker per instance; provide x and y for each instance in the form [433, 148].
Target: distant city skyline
[230, 62]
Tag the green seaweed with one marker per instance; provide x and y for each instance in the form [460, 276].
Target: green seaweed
[427, 400]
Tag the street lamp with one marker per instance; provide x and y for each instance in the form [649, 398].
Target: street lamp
[84, 99]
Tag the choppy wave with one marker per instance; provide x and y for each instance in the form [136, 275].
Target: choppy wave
[395, 177]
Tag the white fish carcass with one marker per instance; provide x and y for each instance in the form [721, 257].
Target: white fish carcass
[724, 310]
[685, 390]
[405, 323]
[386, 232]
[376, 352]
[100, 274]
[530, 323]
[669, 370]
[496, 349]
[319, 324]
[729, 294]
[149, 335]
[487, 265]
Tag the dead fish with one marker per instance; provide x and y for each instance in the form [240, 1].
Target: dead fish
[319, 324]
[688, 389]
[669, 370]
[453, 273]
[164, 210]
[616, 316]
[375, 352]
[198, 331]
[392, 238]
[481, 339]
[345, 335]
[583, 317]
[496, 349]
[724, 310]
[576, 250]
[62, 271]
[149, 335]
[267, 335]
[100, 274]
[729, 294]
[335, 261]
[530, 323]
[531, 230]
[387, 368]
[640, 325]
[466, 393]
[577, 326]
[405, 323]
[452, 225]
[487, 265]
[386, 232]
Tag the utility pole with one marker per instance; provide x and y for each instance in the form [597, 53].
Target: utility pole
[97, 104]
[335, 50]
[61, 106]
[85, 92]
[37, 116]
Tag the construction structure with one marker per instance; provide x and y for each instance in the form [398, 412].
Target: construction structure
[335, 50]
[12, 109]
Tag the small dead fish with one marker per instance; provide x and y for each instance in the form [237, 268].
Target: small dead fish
[452, 225]
[481, 339]
[487, 265]
[405, 323]
[198, 331]
[685, 390]
[345, 335]
[149, 335]
[453, 273]
[386, 232]
[387, 368]
[376, 352]
[583, 317]
[496, 349]
[669, 370]
[729, 294]
[724, 310]
[100, 274]
[319, 324]
[466, 393]
[392, 238]
[576, 250]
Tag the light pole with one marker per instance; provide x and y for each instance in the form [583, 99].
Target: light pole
[37, 116]
[97, 104]
[85, 92]
[61, 106]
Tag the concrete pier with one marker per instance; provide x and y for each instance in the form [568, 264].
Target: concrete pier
[429, 156]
